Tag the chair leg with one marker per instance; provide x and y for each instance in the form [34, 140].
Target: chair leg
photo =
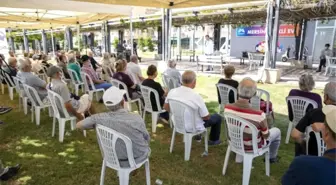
[154, 121]
[289, 130]
[206, 141]
[139, 106]
[73, 124]
[37, 115]
[61, 130]
[102, 174]
[247, 169]
[53, 127]
[25, 105]
[267, 163]
[97, 97]
[172, 141]
[226, 160]
[11, 93]
[129, 106]
[123, 177]
[144, 115]
[187, 147]
[32, 113]
[20, 102]
[148, 179]
[76, 89]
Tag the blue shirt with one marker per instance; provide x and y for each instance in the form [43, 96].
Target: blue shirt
[311, 170]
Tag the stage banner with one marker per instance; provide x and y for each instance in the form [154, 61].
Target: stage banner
[285, 30]
[3, 42]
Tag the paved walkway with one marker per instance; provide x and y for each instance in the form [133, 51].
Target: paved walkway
[290, 74]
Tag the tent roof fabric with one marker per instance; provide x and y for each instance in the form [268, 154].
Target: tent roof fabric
[166, 3]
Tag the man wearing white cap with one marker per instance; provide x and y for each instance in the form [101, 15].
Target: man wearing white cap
[311, 170]
[124, 122]
[311, 117]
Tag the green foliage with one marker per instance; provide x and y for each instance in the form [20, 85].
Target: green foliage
[149, 44]
[115, 42]
[142, 44]
[31, 38]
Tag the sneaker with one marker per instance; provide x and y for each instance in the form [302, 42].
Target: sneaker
[12, 171]
[4, 110]
[198, 138]
[213, 143]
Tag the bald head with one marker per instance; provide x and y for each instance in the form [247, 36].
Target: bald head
[330, 93]
[134, 59]
[247, 88]
[189, 79]
[12, 62]
[90, 54]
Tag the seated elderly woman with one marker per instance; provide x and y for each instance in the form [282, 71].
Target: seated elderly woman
[228, 72]
[172, 72]
[306, 85]
[11, 68]
[133, 89]
[107, 63]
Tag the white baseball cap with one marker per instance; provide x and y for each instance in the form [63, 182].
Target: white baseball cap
[330, 116]
[113, 96]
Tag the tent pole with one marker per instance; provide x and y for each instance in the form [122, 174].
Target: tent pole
[52, 42]
[275, 34]
[78, 38]
[131, 31]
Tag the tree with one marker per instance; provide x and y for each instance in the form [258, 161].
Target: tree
[142, 44]
[149, 44]
[115, 42]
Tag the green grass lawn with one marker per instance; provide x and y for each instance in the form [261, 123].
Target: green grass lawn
[45, 161]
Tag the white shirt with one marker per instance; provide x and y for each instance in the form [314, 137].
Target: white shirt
[209, 47]
[194, 100]
[173, 73]
[134, 71]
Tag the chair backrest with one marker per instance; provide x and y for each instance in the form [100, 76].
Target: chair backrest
[74, 77]
[236, 127]
[32, 95]
[57, 103]
[121, 85]
[255, 100]
[250, 56]
[18, 86]
[107, 70]
[169, 82]
[299, 106]
[321, 146]
[330, 61]
[224, 91]
[179, 111]
[146, 92]
[107, 140]
[88, 83]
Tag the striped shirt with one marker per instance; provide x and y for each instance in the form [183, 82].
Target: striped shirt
[256, 117]
[90, 71]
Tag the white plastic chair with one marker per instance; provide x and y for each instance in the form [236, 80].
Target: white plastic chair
[321, 146]
[75, 81]
[10, 85]
[330, 65]
[224, 91]
[107, 139]
[253, 63]
[89, 86]
[178, 110]
[36, 103]
[146, 92]
[299, 108]
[23, 99]
[43, 75]
[61, 114]
[255, 100]
[236, 127]
[2, 85]
[169, 82]
[128, 100]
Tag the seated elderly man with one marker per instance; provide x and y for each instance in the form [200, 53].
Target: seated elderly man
[124, 122]
[246, 90]
[87, 68]
[203, 119]
[11, 69]
[172, 72]
[32, 80]
[75, 106]
[134, 71]
[311, 117]
[311, 170]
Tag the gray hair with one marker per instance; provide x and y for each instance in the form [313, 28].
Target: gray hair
[188, 77]
[171, 63]
[116, 107]
[330, 90]
[134, 58]
[306, 82]
[247, 88]
[11, 60]
[23, 63]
